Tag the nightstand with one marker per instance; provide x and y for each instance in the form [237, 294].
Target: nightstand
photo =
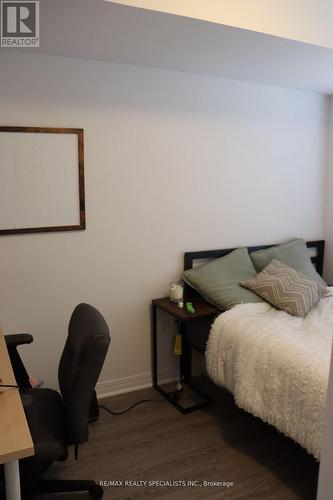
[182, 318]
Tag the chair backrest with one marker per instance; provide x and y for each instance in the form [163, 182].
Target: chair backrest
[79, 368]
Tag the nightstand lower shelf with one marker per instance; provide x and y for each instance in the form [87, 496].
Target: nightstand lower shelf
[185, 401]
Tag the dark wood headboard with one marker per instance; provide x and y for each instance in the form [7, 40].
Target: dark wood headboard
[317, 260]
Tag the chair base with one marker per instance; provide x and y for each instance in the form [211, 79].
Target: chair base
[63, 486]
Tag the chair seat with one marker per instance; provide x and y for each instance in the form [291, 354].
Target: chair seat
[44, 410]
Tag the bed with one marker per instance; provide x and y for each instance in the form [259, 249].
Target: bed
[275, 365]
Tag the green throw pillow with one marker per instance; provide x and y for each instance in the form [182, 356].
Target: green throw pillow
[294, 254]
[218, 281]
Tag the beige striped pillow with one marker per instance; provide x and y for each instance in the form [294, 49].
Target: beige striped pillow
[287, 289]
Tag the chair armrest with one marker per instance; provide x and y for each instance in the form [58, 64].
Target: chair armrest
[12, 342]
[18, 339]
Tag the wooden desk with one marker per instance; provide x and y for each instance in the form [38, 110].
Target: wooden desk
[15, 438]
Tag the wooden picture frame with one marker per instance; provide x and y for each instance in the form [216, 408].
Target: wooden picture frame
[43, 169]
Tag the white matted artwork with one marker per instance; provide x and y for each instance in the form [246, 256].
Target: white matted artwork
[42, 179]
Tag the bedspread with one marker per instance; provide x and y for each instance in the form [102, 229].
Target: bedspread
[276, 365]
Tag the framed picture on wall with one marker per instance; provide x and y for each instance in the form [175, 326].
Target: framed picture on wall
[41, 179]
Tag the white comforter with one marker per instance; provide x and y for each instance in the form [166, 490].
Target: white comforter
[276, 365]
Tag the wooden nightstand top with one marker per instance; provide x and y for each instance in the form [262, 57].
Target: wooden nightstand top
[202, 309]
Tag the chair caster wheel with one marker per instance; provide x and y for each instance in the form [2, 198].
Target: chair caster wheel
[96, 492]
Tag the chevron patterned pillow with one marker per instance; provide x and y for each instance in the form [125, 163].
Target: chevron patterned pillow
[287, 289]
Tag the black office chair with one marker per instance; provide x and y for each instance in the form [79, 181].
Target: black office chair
[57, 421]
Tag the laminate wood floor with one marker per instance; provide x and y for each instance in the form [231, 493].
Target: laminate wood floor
[154, 442]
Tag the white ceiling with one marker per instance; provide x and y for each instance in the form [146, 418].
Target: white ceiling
[96, 29]
[308, 21]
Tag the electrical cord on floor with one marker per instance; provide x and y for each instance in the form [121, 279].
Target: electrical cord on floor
[9, 385]
[131, 407]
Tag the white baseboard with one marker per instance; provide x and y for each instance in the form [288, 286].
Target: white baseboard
[133, 383]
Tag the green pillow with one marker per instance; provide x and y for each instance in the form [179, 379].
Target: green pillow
[294, 253]
[218, 281]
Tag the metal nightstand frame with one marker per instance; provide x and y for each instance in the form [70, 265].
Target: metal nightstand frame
[181, 318]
